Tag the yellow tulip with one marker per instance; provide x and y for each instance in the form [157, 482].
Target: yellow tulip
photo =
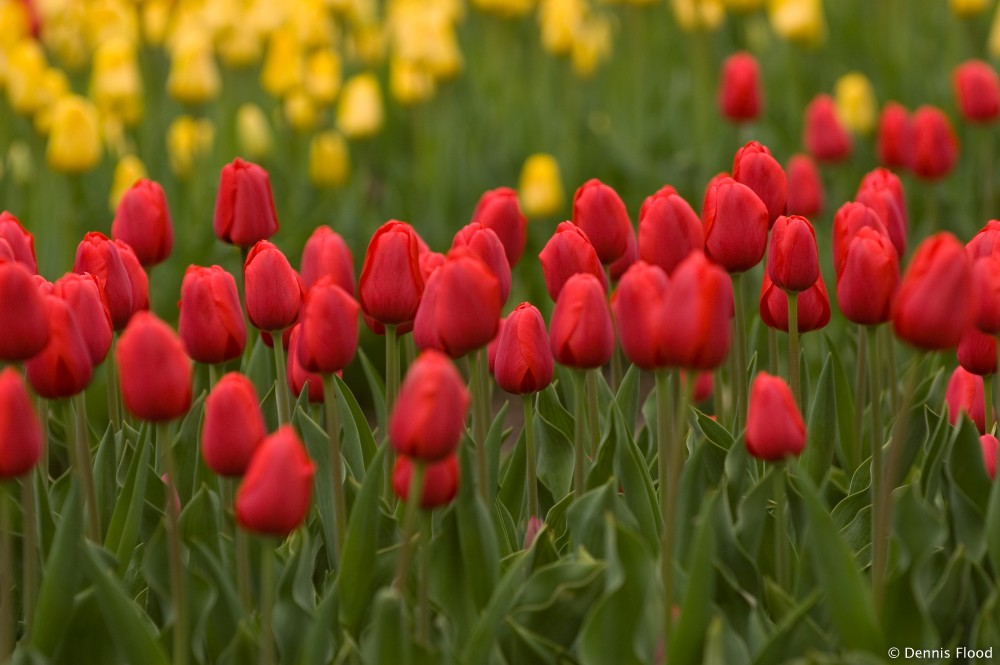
[15, 23]
[115, 81]
[155, 19]
[409, 83]
[799, 21]
[506, 8]
[591, 46]
[74, 137]
[62, 34]
[194, 76]
[329, 160]
[282, 70]
[359, 113]
[540, 186]
[52, 87]
[239, 45]
[300, 111]
[25, 68]
[110, 19]
[856, 104]
[312, 24]
[993, 43]
[323, 76]
[743, 6]
[253, 132]
[968, 8]
[698, 15]
[128, 171]
[187, 141]
[367, 43]
[560, 22]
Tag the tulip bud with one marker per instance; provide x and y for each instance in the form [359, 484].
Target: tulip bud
[253, 132]
[20, 434]
[485, 244]
[531, 531]
[849, 219]
[298, 377]
[194, 76]
[491, 348]
[965, 394]
[868, 277]
[359, 113]
[805, 187]
[826, 138]
[23, 317]
[639, 304]
[856, 105]
[935, 148]
[499, 211]
[429, 417]
[74, 137]
[986, 283]
[155, 372]
[935, 303]
[273, 288]
[234, 425]
[143, 221]
[813, 306]
[540, 186]
[601, 214]
[754, 167]
[977, 91]
[211, 318]
[968, 8]
[329, 160]
[625, 261]
[669, 230]
[274, 496]
[83, 295]
[21, 242]
[328, 330]
[699, 301]
[704, 383]
[582, 334]
[977, 352]
[775, 429]
[880, 198]
[391, 283]
[989, 444]
[188, 140]
[460, 308]
[793, 259]
[985, 242]
[895, 137]
[735, 225]
[440, 481]
[244, 205]
[63, 367]
[100, 257]
[523, 361]
[326, 254]
[740, 97]
[137, 277]
[567, 253]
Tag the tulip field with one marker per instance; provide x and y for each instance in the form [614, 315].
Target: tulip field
[499, 332]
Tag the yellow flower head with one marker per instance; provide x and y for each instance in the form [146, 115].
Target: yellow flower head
[128, 171]
[329, 160]
[409, 82]
[239, 45]
[194, 76]
[62, 35]
[993, 44]
[591, 46]
[311, 21]
[155, 19]
[856, 104]
[540, 186]
[283, 64]
[188, 140]
[74, 137]
[300, 111]
[253, 132]
[15, 23]
[799, 21]
[697, 15]
[115, 81]
[743, 6]
[25, 68]
[52, 87]
[560, 22]
[359, 113]
[110, 19]
[968, 8]
[323, 76]
[505, 8]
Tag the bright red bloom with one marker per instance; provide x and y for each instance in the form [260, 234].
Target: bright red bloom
[328, 330]
[429, 417]
[883, 178]
[883, 202]
[326, 253]
[985, 242]
[775, 429]
[935, 147]
[826, 138]
[600, 212]
[137, 277]
[631, 255]
[977, 91]
[754, 167]
[669, 230]
[391, 282]
[699, 303]
[977, 352]
[848, 220]
[523, 359]
[567, 253]
[211, 318]
[499, 210]
[23, 317]
[440, 481]
[99, 256]
[484, 243]
[244, 205]
[20, 433]
[805, 187]
[895, 137]
[965, 394]
[83, 294]
[793, 258]
[63, 368]
[639, 304]
[21, 242]
[273, 288]
[868, 278]
[582, 334]
[986, 281]
[274, 496]
[299, 377]
[736, 223]
[143, 221]
[813, 306]
[155, 371]
[740, 97]
[234, 425]
[989, 444]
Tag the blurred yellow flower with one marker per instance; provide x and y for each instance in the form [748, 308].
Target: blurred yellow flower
[155, 19]
[62, 36]
[15, 23]
[282, 70]
[128, 171]
[115, 81]
[187, 141]
[856, 104]
[560, 21]
[239, 45]
[993, 43]
[409, 83]
[323, 76]
[743, 5]
[74, 136]
[52, 87]
[253, 132]
[507, 8]
[591, 46]
[359, 113]
[25, 68]
[300, 111]
[423, 32]
[696, 15]
[311, 21]
[540, 186]
[366, 43]
[798, 21]
[968, 8]
[20, 163]
[194, 76]
[329, 160]
[110, 19]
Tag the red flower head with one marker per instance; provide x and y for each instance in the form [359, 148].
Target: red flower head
[805, 187]
[391, 282]
[137, 277]
[23, 316]
[21, 242]
[826, 138]
[523, 361]
[935, 148]
[813, 306]
[63, 368]
[639, 304]
[273, 288]
[566, 253]
[977, 352]
[848, 220]
[775, 429]
[20, 434]
[735, 225]
[600, 212]
[155, 371]
[440, 481]
[699, 303]
[211, 318]
[965, 394]
[793, 258]
[582, 334]
[499, 210]
[328, 331]
[977, 91]
[142, 220]
[895, 137]
[754, 167]
[868, 278]
[669, 230]
[274, 496]
[326, 253]
[740, 97]
[429, 417]
[234, 425]
[100, 257]
[83, 295]
[244, 205]
[484, 243]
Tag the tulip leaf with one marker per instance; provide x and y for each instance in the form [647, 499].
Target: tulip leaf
[637, 486]
[555, 457]
[714, 431]
[514, 475]
[695, 609]
[627, 397]
[993, 526]
[822, 436]
[966, 466]
[494, 441]
[359, 445]
[552, 410]
[357, 564]
[376, 386]
[937, 449]
[388, 642]
[191, 468]
[295, 601]
[482, 638]
[318, 446]
[85, 632]
[105, 476]
[848, 450]
[477, 537]
[123, 529]
[259, 367]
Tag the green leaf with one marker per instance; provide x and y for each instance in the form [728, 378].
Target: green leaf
[688, 635]
[993, 526]
[494, 441]
[966, 465]
[359, 444]
[388, 642]
[551, 409]
[357, 564]
[514, 476]
[627, 397]
[318, 445]
[123, 530]
[59, 583]
[713, 431]
[556, 599]
[844, 399]
[585, 517]
[186, 446]
[477, 538]
[320, 644]
[555, 457]
[637, 486]
[818, 455]
[482, 637]
[105, 482]
[375, 386]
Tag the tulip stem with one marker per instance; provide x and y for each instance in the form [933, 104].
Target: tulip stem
[177, 587]
[43, 417]
[741, 352]
[782, 571]
[529, 449]
[860, 393]
[890, 366]
[592, 412]
[987, 151]
[672, 449]
[579, 427]
[6, 577]
[29, 564]
[424, 584]
[878, 474]
[213, 375]
[414, 495]
[240, 543]
[793, 346]
[280, 382]
[336, 463]
[391, 389]
[266, 601]
[480, 421]
[114, 406]
[85, 467]
[772, 351]
[664, 424]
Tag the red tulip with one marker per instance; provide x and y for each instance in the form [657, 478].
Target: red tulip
[895, 137]
[793, 258]
[485, 244]
[326, 253]
[23, 317]
[736, 223]
[21, 242]
[826, 138]
[935, 303]
[601, 214]
[669, 230]
[740, 97]
[43, 285]
[813, 306]
[883, 178]
[754, 167]
[20, 434]
[775, 429]
[977, 91]
[977, 352]
[429, 417]
[868, 278]
[328, 331]
[499, 210]
[699, 304]
[244, 205]
[582, 334]
[391, 281]
[986, 282]
[63, 368]
[986, 242]
[143, 221]
[524, 360]
[273, 288]
[83, 295]
[429, 262]
[849, 219]
[805, 187]
[137, 277]
[989, 444]
[155, 371]
[100, 257]
[297, 376]
[234, 425]
[274, 496]
[211, 318]
[704, 383]
[965, 394]
[639, 304]
[440, 481]
[491, 348]
[631, 255]
[883, 202]
[935, 148]
[566, 253]
[710, 190]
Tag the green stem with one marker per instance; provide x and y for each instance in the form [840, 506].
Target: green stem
[6, 578]
[424, 583]
[664, 424]
[391, 389]
[529, 448]
[414, 495]
[266, 601]
[241, 544]
[336, 462]
[674, 451]
[793, 346]
[213, 375]
[772, 351]
[579, 429]
[114, 398]
[29, 564]
[480, 421]
[178, 590]
[879, 545]
[741, 352]
[781, 563]
[860, 393]
[85, 468]
[592, 412]
[43, 417]
[280, 380]
[987, 159]
[890, 366]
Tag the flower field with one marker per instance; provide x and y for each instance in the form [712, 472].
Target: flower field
[499, 332]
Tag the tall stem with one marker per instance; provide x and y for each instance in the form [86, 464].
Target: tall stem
[860, 393]
[29, 564]
[336, 463]
[85, 468]
[674, 452]
[781, 562]
[772, 351]
[178, 591]
[793, 346]
[114, 407]
[579, 428]
[529, 449]
[241, 544]
[592, 412]
[414, 495]
[741, 352]
[391, 389]
[987, 152]
[890, 368]
[879, 545]
[266, 601]
[6, 578]
[424, 582]
[478, 367]
[280, 380]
